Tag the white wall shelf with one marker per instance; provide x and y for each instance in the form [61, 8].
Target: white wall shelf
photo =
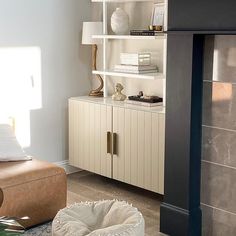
[107, 39]
[130, 37]
[149, 76]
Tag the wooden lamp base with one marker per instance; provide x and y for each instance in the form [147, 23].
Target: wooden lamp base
[96, 92]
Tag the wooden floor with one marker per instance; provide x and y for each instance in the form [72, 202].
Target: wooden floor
[85, 186]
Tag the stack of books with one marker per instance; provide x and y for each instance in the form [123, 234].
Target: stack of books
[135, 59]
[145, 32]
[136, 69]
[136, 63]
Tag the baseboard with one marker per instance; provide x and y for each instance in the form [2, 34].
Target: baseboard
[68, 168]
[174, 221]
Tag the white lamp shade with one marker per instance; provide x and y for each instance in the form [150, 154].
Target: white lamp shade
[89, 29]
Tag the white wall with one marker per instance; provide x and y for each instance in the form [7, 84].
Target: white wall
[55, 27]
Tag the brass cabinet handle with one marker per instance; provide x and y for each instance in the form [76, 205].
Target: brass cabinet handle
[109, 142]
[114, 144]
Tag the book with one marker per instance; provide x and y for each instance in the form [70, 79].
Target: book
[137, 68]
[144, 32]
[135, 59]
[136, 55]
[135, 72]
[136, 62]
[145, 104]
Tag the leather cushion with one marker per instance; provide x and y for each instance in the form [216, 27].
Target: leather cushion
[21, 172]
[1, 197]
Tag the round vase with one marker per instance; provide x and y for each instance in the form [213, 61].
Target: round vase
[120, 22]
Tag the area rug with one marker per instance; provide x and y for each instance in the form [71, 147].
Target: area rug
[41, 230]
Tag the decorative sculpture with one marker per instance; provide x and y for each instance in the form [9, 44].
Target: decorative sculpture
[118, 95]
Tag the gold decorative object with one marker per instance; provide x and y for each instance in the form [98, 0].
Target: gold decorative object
[157, 19]
[156, 27]
[90, 29]
[96, 92]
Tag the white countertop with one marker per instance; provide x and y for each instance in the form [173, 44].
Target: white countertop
[108, 101]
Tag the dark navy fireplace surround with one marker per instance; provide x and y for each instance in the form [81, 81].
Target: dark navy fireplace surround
[189, 21]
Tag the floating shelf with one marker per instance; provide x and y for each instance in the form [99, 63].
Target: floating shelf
[159, 36]
[150, 76]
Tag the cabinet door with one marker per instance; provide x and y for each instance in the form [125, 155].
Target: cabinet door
[140, 148]
[88, 127]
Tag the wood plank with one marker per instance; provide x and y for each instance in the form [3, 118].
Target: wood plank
[147, 152]
[76, 134]
[141, 155]
[155, 153]
[108, 128]
[134, 147]
[78, 130]
[86, 136]
[115, 130]
[127, 144]
[161, 152]
[98, 142]
[121, 144]
[103, 140]
[91, 137]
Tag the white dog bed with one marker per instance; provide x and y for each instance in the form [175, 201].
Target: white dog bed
[103, 218]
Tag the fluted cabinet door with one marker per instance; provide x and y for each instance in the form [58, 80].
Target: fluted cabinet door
[88, 127]
[140, 148]
[161, 148]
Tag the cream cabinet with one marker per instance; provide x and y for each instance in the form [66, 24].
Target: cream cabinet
[125, 143]
[89, 124]
[139, 159]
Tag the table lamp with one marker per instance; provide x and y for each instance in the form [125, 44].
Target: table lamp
[90, 29]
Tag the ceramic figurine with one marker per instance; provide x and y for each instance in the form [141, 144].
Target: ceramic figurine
[120, 22]
[118, 95]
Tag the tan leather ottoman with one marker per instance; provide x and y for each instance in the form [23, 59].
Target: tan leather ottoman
[32, 188]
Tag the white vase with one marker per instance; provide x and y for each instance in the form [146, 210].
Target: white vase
[120, 22]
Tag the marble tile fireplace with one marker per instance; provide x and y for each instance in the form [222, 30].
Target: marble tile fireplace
[218, 182]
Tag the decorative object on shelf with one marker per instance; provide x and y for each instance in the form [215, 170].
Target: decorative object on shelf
[144, 104]
[120, 22]
[155, 28]
[118, 95]
[144, 32]
[157, 19]
[144, 100]
[90, 29]
[135, 59]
